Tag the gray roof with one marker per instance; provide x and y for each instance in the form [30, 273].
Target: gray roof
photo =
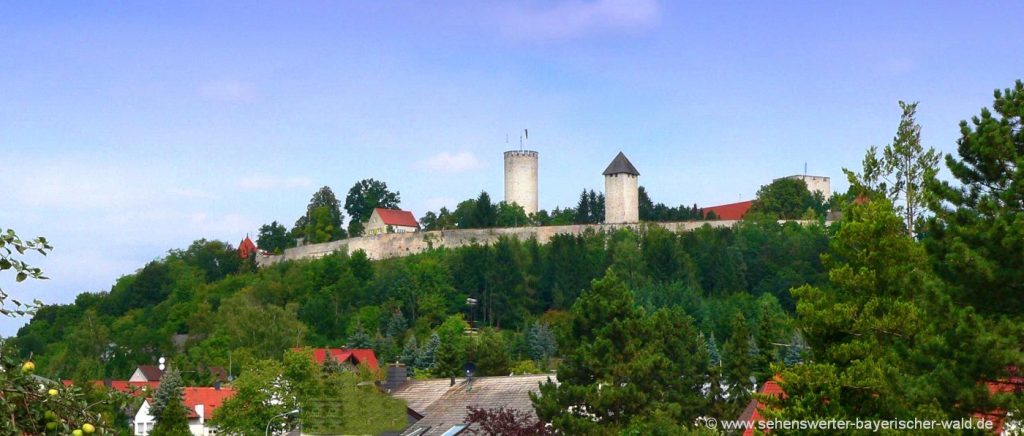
[444, 406]
[621, 165]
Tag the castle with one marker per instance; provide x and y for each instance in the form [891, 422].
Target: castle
[621, 186]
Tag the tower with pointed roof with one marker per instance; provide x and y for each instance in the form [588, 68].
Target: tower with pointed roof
[621, 192]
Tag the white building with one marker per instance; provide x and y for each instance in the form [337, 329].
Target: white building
[621, 192]
[200, 402]
[821, 184]
[391, 221]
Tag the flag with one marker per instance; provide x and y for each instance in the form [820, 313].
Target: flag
[527, 132]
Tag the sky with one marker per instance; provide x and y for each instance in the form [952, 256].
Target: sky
[131, 128]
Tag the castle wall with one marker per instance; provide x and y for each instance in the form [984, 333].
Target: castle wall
[621, 199]
[521, 179]
[390, 245]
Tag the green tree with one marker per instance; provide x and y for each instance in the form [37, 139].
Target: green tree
[364, 196]
[788, 199]
[267, 389]
[169, 392]
[173, 421]
[900, 172]
[450, 354]
[887, 340]
[273, 238]
[511, 215]
[323, 220]
[738, 365]
[541, 343]
[622, 367]
[484, 213]
[975, 238]
[492, 355]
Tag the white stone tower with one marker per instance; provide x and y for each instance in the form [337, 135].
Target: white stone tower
[521, 179]
[621, 192]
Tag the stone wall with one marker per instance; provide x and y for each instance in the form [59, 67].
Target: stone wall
[521, 179]
[403, 244]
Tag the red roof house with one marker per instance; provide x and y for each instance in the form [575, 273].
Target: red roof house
[246, 248]
[391, 220]
[209, 398]
[731, 211]
[752, 413]
[354, 356]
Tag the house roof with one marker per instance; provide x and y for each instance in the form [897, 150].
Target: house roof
[731, 211]
[246, 247]
[752, 413]
[444, 406]
[620, 165]
[356, 356]
[210, 398]
[395, 217]
[150, 372]
[125, 386]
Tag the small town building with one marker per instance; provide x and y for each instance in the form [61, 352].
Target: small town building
[621, 192]
[247, 248]
[391, 221]
[349, 356]
[200, 403]
[728, 212]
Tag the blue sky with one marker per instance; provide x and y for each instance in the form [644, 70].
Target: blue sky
[131, 128]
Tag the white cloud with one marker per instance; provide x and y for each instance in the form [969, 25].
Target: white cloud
[452, 162]
[576, 18]
[269, 182]
[232, 91]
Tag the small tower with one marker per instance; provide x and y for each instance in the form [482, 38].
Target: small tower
[521, 179]
[621, 192]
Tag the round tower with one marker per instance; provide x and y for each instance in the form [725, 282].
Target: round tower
[521, 179]
[621, 192]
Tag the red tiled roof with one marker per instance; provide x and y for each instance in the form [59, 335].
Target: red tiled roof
[356, 356]
[731, 211]
[393, 217]
[125, 386]
[210, 398]
[246, 248]
[772, 388]
[150, 372]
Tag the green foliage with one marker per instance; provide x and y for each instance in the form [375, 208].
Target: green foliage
[341, 402]
[887, 340]
[364, 196]
[788, 199]
[169, 393]
[976, 238]
[491, 354]
[621, 366]
[323, 220]
[266, 389]
[590, 208]
[173, 420]
[899, 174]
[738, 364]
[541, 342]
[10, 243]
[274, 238]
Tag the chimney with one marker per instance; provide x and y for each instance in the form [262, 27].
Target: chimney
[107, 382]
[216, 385]
[397, 375]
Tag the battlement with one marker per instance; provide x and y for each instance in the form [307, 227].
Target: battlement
[521, 153]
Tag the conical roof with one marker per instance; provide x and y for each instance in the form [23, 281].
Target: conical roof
[621, 165]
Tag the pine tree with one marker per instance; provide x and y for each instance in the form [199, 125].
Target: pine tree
[396, 326]
[738, 362]
[428, 352]
[410, 352]
[540, 341]
[169, 392]
[714, 356]
[359, 338]
[173, 421]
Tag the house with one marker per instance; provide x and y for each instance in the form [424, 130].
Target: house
[729, 212]
[146, 373]
[351, 356]
[246, 248]
[200, 403]
[439, 406]
[752, 413]
[391, 221]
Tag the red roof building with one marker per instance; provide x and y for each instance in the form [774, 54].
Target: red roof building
[752, 413]
[246, 248]
[391, 221]
[729, 212]
[354, 356]
[209, 398]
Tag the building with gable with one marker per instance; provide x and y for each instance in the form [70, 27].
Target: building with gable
[391, 221]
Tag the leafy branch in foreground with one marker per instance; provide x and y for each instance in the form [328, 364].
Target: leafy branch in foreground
[9, 244]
